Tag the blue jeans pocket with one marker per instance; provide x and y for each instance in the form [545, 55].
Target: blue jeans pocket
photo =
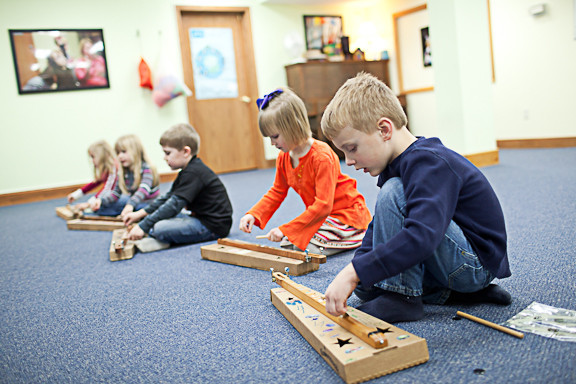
[470, 276]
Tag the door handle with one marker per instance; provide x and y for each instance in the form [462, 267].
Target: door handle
[246, 99]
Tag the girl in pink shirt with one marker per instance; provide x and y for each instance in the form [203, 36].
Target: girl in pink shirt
[105, 175]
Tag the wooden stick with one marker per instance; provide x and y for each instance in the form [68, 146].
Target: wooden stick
[261, 237]
[487, 323]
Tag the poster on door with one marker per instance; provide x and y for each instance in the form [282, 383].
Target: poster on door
[213, 63]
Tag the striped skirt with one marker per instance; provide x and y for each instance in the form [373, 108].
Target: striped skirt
[334, 234]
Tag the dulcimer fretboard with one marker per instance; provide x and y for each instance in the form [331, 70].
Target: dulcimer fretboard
[370, 335]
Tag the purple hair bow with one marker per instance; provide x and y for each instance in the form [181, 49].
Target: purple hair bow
[263, 102]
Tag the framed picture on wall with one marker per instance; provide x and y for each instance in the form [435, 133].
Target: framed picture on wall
[53, 60]
[323, 33]
[426, 52]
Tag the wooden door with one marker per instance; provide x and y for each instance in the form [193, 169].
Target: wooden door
[228, 126]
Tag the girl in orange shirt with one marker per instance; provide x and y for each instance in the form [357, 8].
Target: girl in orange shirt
[336, 215]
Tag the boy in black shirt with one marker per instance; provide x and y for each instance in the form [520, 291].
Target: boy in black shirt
[196, 188]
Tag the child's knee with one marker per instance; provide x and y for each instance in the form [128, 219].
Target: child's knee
[160, 228]
[392, 194]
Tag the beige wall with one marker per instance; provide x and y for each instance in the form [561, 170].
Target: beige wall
[535, 88]
[43, 137]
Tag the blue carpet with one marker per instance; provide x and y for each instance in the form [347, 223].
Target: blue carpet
[69, 315]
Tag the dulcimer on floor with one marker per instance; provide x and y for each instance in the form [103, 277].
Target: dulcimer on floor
[357, 346]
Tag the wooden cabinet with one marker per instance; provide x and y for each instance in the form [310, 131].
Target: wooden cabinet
[316, 82]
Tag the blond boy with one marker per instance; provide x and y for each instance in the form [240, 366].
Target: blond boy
[438, 234]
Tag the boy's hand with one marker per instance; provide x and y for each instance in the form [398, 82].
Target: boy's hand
[127, 209]
[340, 290]
[275, 234]
[136, 233]
[246, 223]
[134, 217]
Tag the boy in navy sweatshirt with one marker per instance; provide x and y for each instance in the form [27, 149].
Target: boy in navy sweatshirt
[438, 234]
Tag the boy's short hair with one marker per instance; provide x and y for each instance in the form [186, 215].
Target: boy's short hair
[359, 104]
[181, 135]
[285, 114]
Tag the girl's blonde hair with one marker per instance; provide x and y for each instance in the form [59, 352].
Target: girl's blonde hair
[133, 146]
[83, 42]
[285, 114]
[104, 158]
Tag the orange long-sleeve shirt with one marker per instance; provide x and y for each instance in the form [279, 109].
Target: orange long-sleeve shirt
[324, 189]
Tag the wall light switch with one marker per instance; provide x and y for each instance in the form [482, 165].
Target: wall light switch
[537, 10]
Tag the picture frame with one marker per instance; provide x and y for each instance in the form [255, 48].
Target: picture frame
[324, 33]
[413, 76]
[426, 49]
[55, 60]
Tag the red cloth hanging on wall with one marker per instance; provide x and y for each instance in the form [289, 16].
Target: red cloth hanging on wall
[145, 75]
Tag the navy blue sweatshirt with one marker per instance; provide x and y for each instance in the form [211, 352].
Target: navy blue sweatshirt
[440, 185]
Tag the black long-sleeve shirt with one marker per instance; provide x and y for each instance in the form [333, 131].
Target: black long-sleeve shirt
[201, 191]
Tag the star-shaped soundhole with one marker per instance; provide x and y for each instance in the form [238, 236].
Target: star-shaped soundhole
[342, 342]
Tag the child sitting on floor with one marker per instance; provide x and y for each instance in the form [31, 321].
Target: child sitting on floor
[336, 215]
[196, 188]
[105, 172]
[438, 233]
[138, 182]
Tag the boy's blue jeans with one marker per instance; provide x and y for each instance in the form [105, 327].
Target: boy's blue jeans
[181, 229]
[453, 266]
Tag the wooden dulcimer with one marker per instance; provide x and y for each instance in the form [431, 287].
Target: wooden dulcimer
[68, 212]
[244, 254]
[298, 255]
[120, 247]
[115, 219]
[76, 219]
[370, 335]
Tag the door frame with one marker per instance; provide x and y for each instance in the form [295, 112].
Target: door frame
[252, 91]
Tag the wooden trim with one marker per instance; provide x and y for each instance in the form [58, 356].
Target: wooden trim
[396, 16]
[427, 89]
[55, 193]
[251, 62]
[200, 9]
[484, 159]
[36, 195]
[409, 11]
[491, 43]
[554, 142]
